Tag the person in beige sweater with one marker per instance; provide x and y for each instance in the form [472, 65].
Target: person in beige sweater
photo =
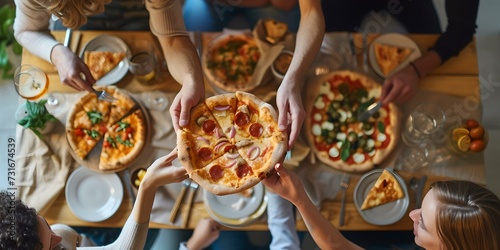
[31, 29]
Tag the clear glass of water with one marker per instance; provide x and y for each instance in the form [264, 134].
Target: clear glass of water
[423, 122]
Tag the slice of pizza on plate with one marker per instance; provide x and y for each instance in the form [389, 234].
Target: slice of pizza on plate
[386, 189]
[389, 57]
[102, 62]
[123, 142]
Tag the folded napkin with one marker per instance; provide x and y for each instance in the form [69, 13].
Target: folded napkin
[321, 182]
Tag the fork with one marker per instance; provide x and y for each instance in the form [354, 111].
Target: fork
[344, 184]
[105, 96]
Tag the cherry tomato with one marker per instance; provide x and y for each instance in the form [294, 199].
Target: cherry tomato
[477, 145]
[471, 123]
[106, 144]
[477, 132]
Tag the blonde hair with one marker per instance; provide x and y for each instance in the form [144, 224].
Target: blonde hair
[467, 216]
[73, 13]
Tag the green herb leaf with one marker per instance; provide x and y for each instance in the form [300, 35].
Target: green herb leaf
[126, 142]
[111, 141]
[92, 133]
[381, 127]
[122, 126]
[345, 150]
[95, 117]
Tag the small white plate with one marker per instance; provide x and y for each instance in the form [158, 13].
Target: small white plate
[382, 215]
[393, 39]
[235, 206]
[113, 44]
[93, 196]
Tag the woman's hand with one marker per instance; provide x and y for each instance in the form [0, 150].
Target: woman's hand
[72, 70]
[286, 184]
[162, 172]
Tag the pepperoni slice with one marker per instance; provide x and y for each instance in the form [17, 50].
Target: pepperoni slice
[216, 172]
[205, 154]
[241, 119]
[209, 126]
[243, 170]
[256, 130]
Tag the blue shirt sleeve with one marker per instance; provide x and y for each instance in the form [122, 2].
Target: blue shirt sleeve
[281, 222]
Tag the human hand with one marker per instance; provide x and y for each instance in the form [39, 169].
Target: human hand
[205, 233]
[400, 87]
[70, 69]
[286, 184]
[186, 99]
[162, 172]
[291, 112]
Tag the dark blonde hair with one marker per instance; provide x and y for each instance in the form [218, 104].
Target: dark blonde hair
[467, 216]
[73, 13]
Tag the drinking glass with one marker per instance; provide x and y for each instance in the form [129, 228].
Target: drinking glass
[422, 123]
[31, 83]
[142, 63]
[417, 157]
[157, 100]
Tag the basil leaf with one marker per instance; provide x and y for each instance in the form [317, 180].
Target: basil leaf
[381, 127]
[95, 116]
[122, 126]
[111, 141]
[126, 142]
[92, 133]
[345, 150]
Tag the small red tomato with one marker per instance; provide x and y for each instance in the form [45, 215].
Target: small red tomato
[477, 132]
[79, 132]
[477, 145]
[471, 123]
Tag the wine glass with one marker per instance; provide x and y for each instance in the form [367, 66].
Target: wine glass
[32, 84]
[157, 100]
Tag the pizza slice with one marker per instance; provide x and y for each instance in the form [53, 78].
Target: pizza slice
[385, 189]
[203, 149]
[102, 62]
[120, 107]
[123, 142]
[262, 154]
[202, 122]
[225, 175]
[254, 118]
[223, 108]
[389, 57]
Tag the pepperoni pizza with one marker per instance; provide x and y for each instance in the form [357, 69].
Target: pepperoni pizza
[231, 142]
[333, 130]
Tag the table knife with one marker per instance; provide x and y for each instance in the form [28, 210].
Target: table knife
[420, 190]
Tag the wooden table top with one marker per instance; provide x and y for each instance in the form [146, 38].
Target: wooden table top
[458, 76]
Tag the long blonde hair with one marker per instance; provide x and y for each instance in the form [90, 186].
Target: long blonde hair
[467, 216]
[73, 13]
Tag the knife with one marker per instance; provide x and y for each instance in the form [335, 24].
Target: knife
[420, 190]
[128, 184]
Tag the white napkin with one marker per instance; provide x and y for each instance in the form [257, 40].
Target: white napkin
[320, 182]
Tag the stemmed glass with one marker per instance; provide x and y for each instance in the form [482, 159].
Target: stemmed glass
[157, 100]
[32, 84]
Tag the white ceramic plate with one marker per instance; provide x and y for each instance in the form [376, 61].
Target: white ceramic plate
[235, 206]
[393, 39]
[236, 223]
[93, 196]
[382, 215]
[113, 44]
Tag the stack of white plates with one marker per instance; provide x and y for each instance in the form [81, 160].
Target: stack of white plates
[236, 210]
